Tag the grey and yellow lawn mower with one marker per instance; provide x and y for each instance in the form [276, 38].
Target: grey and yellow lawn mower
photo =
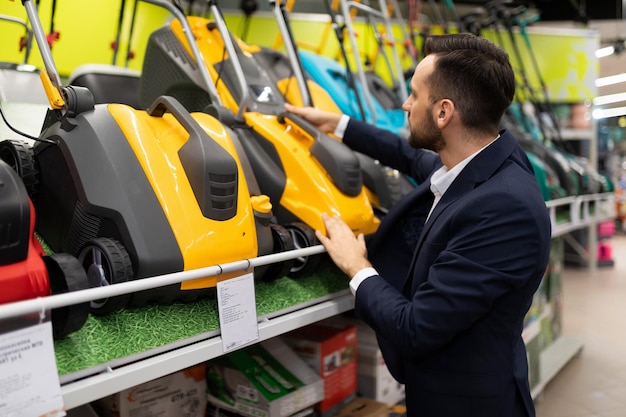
[140, 193]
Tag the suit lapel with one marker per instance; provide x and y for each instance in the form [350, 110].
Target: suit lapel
[479, 170]
[401, 226]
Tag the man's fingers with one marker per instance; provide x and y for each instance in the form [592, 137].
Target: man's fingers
[300, 111]
[320, 236]
[333, 224]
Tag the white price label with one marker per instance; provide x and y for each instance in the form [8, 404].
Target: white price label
[237, 309]
[29, 381]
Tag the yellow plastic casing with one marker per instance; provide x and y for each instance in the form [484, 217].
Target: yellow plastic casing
[309, 191]
[203, 242]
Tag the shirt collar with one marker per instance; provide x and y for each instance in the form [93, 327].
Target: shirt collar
[443, 177]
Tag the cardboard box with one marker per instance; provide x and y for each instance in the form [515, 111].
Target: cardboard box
[375, 380]
[364, 407]
[213, 411]
[182, 393]
[85, 410]
[330, 348]
[267, 379]
[365, 334]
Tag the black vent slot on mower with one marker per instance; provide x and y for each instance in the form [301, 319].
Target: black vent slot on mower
[223, 191]
[212, 173]
[85, 226]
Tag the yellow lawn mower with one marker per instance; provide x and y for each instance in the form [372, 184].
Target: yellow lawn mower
[304, 171]
[140, 193]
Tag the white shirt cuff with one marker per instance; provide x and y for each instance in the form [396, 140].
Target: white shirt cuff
[341, 126]
[361, 276]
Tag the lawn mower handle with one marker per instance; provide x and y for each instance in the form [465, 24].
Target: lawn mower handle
[28, 38]
[44, 48]
[339, 161]
[164, 104]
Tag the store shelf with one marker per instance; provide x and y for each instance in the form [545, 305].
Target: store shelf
[576, 134]
[577, 212]
[567, 214]
[554, 358]
[92, 388]
[111, 376]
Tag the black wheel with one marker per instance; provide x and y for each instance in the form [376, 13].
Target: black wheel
[282, 242]
[106, 262]
[303, 236]
[19, 155]
[66, 274]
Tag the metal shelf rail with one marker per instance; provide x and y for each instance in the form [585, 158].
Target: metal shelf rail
[576, 212]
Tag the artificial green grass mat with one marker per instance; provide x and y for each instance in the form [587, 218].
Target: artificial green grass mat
[138, 329]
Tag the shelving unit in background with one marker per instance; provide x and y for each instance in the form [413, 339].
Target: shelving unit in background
[548, 349]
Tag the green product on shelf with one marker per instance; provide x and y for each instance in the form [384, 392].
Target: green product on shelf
[266, 379]
[267, 375]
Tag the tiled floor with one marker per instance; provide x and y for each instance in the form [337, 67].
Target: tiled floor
[593, 383]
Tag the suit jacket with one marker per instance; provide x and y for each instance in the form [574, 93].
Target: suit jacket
[450, 299]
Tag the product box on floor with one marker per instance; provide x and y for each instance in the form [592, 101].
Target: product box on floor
[375, 380]
[267, 379]
[330, 348]
[364, 407]
[85, 410]
[182, 393]
[213, 411]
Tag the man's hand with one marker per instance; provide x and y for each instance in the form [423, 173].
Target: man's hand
[348, 252]
[324, 120]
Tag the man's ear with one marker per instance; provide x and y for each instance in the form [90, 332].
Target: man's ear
[446, 111]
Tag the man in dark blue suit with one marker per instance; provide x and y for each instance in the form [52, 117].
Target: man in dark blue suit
[449, 276]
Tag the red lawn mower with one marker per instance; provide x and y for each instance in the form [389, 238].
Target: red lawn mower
[25, 270]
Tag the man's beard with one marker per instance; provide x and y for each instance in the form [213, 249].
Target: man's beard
[428, 137]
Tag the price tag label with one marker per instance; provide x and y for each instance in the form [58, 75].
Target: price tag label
[29, 381]
[237, 310]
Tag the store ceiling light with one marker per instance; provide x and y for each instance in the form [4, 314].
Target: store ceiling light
[606, 113]
[610, 80]
[609, 99]
[606, 51]
[617, 48]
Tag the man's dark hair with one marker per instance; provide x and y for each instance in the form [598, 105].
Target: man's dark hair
[475, 74]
